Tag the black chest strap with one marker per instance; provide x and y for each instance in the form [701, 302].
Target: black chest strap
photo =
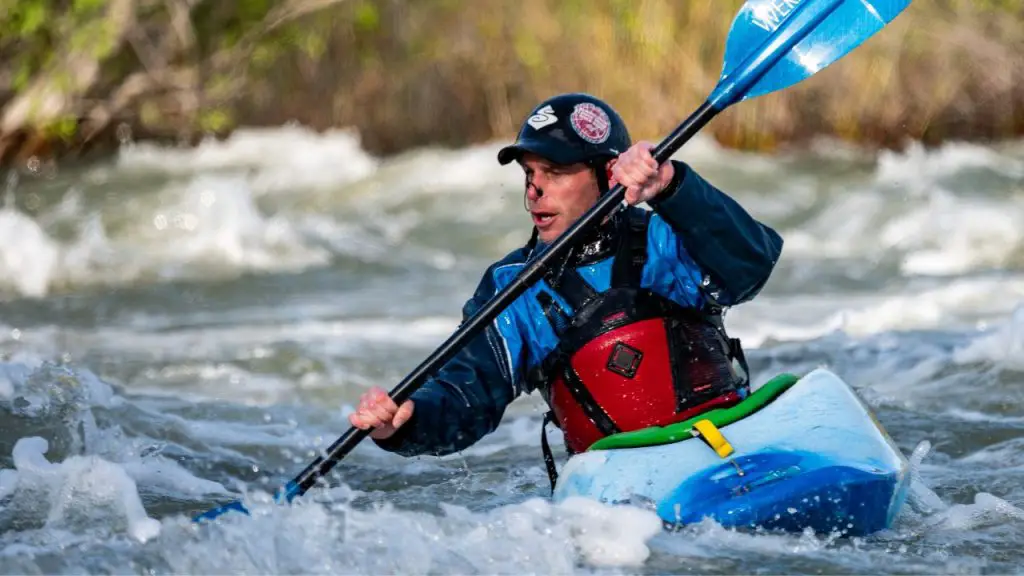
[631, 256]
[627, 271]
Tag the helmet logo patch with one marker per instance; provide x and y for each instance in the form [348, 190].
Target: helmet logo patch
[591, 122]
[543, 117]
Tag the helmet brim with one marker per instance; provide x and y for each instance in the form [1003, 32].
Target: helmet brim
[558, 155]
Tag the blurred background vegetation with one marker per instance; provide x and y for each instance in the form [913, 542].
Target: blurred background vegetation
[82, 75]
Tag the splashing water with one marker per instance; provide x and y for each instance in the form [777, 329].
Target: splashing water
[74, 495]
[179, 326]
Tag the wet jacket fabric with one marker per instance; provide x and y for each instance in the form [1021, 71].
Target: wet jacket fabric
[701, 244]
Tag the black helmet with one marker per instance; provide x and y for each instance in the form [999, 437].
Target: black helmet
[570, 128]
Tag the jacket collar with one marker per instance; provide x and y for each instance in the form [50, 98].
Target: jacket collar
[595, 246]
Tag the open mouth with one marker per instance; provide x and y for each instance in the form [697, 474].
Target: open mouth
[542, 219]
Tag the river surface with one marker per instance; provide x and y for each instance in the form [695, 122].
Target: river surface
[179, 326]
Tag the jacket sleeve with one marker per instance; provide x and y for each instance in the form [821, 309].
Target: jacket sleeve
[735, 252]
[465, 400]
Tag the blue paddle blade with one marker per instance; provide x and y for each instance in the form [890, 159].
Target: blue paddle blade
[286, 494]
[235, 506]
[776, 43]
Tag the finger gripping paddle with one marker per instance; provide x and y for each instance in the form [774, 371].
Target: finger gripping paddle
[772, 44]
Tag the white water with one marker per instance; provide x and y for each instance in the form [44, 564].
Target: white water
[180, 324]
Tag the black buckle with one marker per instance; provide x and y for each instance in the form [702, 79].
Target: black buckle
[624, 360]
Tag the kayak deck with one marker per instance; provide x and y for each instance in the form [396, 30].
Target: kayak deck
[683, 430]
[803, 453]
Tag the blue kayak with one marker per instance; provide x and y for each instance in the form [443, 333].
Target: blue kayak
[797, 453]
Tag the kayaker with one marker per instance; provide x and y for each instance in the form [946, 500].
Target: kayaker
[628, 332]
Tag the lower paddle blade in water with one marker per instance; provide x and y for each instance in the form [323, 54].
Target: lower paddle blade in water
[235, 506]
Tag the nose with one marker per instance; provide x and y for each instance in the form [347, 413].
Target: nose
[533, 191]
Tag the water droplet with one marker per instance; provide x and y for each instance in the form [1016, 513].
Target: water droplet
[15, 334]
[124, 133]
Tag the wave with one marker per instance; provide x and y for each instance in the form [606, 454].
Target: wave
[286, 200]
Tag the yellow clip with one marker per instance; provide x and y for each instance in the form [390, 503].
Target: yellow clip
[708, 432]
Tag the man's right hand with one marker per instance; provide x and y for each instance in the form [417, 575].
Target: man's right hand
[377, 410]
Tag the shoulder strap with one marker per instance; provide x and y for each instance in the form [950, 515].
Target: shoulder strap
[558, 318]
[628, 267]
[567, 282]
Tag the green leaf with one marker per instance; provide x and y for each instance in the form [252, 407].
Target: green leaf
[86, 6]
[64, 128]
[33, 16]
[216, 120]
[367, 18]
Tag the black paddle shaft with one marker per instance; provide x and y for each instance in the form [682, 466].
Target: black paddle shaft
[479, 321]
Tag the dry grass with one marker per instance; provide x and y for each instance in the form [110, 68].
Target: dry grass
[454, 72]
[458, 72]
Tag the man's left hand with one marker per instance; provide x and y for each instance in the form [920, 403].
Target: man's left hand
[637, 170]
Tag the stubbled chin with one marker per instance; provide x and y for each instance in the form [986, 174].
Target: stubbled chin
[548, 236]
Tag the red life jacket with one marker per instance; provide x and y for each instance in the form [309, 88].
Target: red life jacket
[629, 358]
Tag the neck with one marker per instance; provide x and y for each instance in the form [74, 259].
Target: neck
[594, 246]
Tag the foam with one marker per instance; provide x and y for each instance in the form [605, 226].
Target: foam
[48, 393]
[215, 220]
[1002, 346]
[6, 387]
[950, 234]
[76, 495]
[340, 336]
[531, 537]
[961, 302]
[283, 157]
[986, 510]
[1005, 455]
[43, 388]
[289, 199]
[975, 416]
[206, 229]
[28, 256]
[916, 167]
[942, 233]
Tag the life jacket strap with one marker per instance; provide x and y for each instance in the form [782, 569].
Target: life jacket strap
[549, 458]
[586, 400]
[631, 256]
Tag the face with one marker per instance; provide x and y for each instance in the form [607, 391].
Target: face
[557, 195]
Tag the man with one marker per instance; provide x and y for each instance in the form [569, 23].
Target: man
[626, 332]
